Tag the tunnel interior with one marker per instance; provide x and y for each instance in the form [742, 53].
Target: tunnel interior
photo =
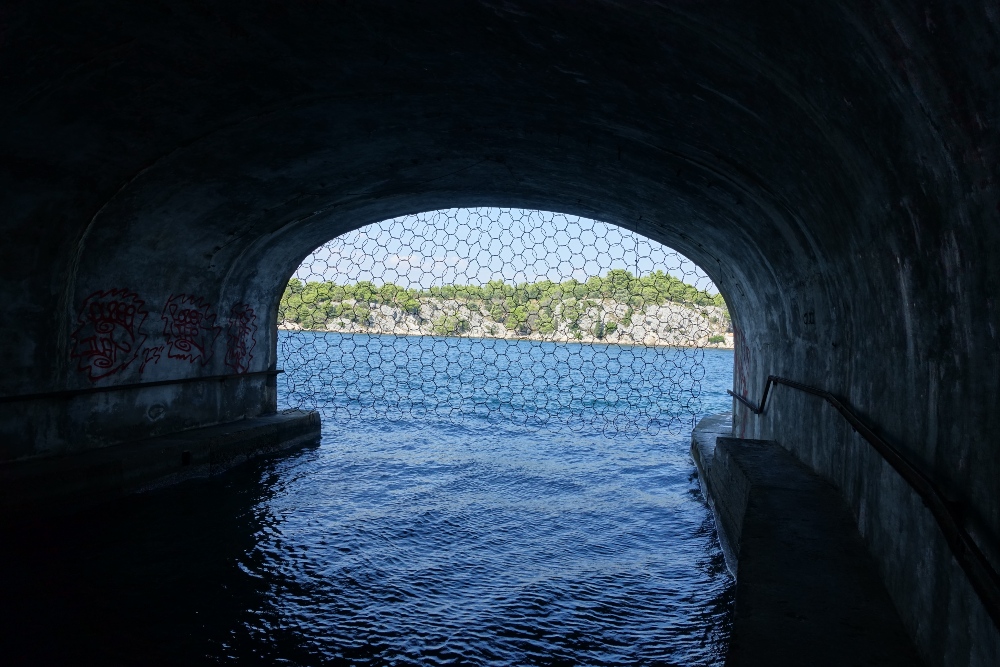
[831, 167]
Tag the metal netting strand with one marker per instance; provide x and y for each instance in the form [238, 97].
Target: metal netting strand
[499, 316]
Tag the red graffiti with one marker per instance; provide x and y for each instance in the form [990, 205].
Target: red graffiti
[241, 337]
[150, 355]
[189, 328]
[109, 332]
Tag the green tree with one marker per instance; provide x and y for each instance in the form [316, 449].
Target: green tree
[598, 329]
[450, 325]
[526, 307]
[360, 314]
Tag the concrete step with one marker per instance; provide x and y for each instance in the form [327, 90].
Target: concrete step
[807, 590]
[56, 485]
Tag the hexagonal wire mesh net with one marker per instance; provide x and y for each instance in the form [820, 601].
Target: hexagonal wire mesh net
[499, 315]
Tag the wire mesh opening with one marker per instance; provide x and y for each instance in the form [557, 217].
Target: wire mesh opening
[500, 316]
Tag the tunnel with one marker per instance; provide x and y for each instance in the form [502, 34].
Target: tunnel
[831, 166]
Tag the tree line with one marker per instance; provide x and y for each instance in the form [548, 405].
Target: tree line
[527, 307]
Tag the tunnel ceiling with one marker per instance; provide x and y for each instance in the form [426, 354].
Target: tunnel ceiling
[164, 145]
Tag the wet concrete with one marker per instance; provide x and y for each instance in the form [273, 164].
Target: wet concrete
[703, 439]
[807, 590]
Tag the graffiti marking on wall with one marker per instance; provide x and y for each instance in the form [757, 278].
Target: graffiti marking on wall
[189, 328]
[241, 337]
[150, 355]
[109, 334]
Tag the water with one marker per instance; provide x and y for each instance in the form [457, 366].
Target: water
[455, 539]
[586, 388]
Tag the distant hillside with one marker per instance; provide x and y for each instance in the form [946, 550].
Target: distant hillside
[657, 309]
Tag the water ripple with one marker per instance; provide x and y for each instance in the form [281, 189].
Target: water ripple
[393, 543]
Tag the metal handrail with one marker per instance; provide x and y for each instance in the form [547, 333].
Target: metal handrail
[946, 511]
[70, 393]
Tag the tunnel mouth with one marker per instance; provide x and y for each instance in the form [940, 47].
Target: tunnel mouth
[525, 497]
[507, 398]
[498, 316]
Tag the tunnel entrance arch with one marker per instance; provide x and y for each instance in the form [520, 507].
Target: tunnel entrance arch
[506, 315]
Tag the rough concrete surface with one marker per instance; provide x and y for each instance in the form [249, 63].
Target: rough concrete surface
[807, 590]
[68, 483]
[703, 439]
[833, 166]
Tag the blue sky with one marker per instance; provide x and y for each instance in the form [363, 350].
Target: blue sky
[474, 246]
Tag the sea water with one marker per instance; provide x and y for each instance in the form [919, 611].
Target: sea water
[436, 536]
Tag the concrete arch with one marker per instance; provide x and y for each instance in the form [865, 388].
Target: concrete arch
[833, 168]
[163, 211]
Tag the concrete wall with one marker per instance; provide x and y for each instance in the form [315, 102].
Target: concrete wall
[62, 425]
[832, 166]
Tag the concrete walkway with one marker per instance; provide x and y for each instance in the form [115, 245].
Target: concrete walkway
[807, 591]
[68, 483]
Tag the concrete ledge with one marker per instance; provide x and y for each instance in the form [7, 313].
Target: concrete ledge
[703, 439]
[704, 436]
[807, 590]
[70, 482]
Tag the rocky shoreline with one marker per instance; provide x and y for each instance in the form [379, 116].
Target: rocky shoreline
[601, 321]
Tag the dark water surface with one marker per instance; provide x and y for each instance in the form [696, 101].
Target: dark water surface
[464, 541]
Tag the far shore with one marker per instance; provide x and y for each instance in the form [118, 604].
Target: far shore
[582, 340]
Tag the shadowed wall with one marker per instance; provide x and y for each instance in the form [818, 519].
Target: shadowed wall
[832, 166]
